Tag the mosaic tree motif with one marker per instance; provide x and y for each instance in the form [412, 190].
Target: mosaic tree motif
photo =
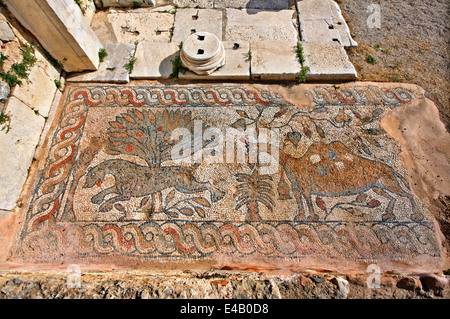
[252, 190]
[147, 135]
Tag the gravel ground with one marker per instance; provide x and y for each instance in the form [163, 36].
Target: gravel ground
[216, 285]
[411, 46]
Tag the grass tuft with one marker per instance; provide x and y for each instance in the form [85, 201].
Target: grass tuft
[18, 70]
[130, 64]
[5, 122]
[301, 78]
[371, 60]
[102, 54]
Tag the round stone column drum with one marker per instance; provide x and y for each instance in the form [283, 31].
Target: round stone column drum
[202, 53]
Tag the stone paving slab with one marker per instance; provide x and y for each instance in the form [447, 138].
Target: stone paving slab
[237, 65]
[112, 69]
[253, 4]
[328, 190]
[125, 3]
[322, 21]
[6, 33]
[189, 21]
[315, 10]
[17, 150]
[194, 3]
[151, 26]
[259, 25]
[318, 31]
[274, 60]
[327, 62]
[154, 60]
[39, 89]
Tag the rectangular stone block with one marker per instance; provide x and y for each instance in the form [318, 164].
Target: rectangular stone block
[151, 26]
[327, 62]
[319, 31]
[237, 64]
[17, 149]
[125, 3]
[274, 60]
[112, 69]
[314, 9]
[253, 4]
[340, 24]
[39, 89]
[322, 21]
[194, 3]
[189, 21]
[154, 60]
[259, 25]
[61, 29]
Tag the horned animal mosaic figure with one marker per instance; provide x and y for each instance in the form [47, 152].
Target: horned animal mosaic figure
[333, 170]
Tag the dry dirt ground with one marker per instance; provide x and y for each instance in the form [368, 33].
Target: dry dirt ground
[412, 45]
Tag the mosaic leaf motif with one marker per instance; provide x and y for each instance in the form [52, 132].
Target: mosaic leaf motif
[147, 134]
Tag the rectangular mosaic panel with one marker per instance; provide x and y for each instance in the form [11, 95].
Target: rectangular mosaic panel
[110, 186]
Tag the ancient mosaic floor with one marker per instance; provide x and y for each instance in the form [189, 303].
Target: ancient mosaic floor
[326, 186]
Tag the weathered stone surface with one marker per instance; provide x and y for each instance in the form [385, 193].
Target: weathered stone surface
[130, 27]
[343, 285]
[61, 29]
[322, 21]
[8, 228]
[103, 28]
[11, 49]
[4, 91]
[314, 10]
[202, 53]
[6, 33]
[409, 283]
[259, 25]
[318, 31]
[274, 60]
[253, 4]
[434, 283]
[154, 60]
[189, 21]
[112, 69]
[194, 3]
[17, 150]
[89, 10]
[340, 24]
[237, 64]
[38, 90]
[327, 61]
[124, 3]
